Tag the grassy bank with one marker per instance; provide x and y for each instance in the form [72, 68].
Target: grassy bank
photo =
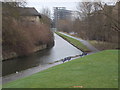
[104, 45]
[74, 42]
[98, 70]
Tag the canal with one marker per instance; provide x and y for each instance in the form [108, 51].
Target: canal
[61, 50]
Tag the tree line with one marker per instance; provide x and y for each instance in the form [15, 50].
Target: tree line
[95, 21]
[22, 37]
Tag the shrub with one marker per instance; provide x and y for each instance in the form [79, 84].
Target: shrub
[22, 38]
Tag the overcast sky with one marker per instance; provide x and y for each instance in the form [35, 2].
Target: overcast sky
[69, 4]
[50, 5]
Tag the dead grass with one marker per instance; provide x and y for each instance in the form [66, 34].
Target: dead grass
[104, 45]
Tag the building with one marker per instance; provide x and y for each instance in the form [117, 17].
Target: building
[60, 13]
[30, 14]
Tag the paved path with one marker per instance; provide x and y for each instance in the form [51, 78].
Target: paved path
[89, 46]
[39, 68]
[30, 71]
[27, 66]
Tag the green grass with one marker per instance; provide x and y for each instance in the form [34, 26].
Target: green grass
[74, 42]
[0, 87]
[98, 70]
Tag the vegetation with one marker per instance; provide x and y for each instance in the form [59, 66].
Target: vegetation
[65, 25]
[74, 42]
[100, 45]
[45, 13]
[99, 70]
[22, 37]
[96, 21]
[0, 86]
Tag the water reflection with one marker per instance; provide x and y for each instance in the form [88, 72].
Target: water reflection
[61, 50]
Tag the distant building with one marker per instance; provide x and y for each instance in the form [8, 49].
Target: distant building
[60, 13]
[30, 14]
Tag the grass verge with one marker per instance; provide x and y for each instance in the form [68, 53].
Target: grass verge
[99, 70]
[104, 45]
[74, 42]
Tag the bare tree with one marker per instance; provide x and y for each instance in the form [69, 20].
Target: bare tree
[21, 37]
[46, 16]
[113, 19]
[46, 11]
[84, 8]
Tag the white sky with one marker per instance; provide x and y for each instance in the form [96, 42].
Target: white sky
[69, 4]
[50, 5]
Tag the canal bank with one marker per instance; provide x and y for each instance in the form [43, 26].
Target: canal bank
[78, 42]
[61, 50]
[12, 55]
[81, 73]
[31, 71]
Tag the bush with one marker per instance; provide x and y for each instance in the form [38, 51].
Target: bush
[22, 38]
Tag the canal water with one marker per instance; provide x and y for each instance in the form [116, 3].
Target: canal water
[61, 50]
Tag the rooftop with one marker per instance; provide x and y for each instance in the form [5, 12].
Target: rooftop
[27, 11]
